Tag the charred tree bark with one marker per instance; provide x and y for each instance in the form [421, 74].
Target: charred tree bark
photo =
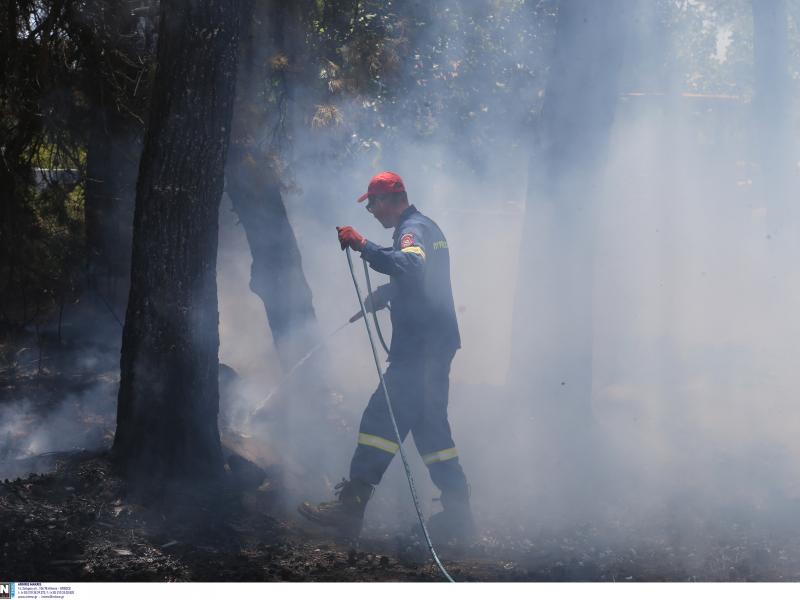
[771, 103]
[253, 185]
[553, 312]
[169, 395]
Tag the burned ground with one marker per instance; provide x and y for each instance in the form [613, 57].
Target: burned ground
[76, 521]
[76, 525]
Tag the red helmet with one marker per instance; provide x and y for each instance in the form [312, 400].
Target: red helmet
[384, 183]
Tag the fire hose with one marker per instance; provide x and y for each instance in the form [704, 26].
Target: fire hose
[375, 309]
[353, 319]
[394, 422]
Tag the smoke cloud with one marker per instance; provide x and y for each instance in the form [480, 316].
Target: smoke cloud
[692, 371]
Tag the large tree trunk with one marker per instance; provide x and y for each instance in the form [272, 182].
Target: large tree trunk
[169, 395]
[771, 105]
[553, 312]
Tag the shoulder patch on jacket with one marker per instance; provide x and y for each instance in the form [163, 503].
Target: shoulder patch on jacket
[406, 241]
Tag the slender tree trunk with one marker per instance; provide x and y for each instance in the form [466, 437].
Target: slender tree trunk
[276, 274]
[771, 104]
[98, 200]
[108, 208]
[553, 313]
[9, 44]
[169, 395]
[113, 41]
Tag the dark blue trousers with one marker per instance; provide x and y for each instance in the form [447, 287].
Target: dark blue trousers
[418, 387]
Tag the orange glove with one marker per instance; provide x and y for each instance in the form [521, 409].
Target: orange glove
[350, 237]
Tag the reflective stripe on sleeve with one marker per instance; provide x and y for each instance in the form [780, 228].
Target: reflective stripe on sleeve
[440, 456]
[365, 439]
[414, 250]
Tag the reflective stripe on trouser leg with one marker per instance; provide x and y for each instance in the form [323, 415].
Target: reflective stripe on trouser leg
[377, 443]
[432, 433]
[440, 456]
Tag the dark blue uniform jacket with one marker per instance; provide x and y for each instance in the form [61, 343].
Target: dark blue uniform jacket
[418, 264]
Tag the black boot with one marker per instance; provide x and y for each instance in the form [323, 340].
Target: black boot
[346, 512]
[454, 525]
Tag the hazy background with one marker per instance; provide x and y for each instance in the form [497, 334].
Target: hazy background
[693, 283]
[693, 296]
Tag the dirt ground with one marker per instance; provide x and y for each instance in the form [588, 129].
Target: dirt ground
[77, 522]
[76, 525]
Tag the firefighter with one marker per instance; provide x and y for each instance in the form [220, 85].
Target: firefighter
[425, 339]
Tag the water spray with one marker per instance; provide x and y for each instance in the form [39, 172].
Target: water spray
[299, 364]
[314, 350]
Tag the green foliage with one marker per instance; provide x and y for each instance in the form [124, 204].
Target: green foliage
[712, 46]
[327, 82]
[44, 268]
[50, 156]
[67, 69]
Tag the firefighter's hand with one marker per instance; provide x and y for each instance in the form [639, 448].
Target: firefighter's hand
[350, 237]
